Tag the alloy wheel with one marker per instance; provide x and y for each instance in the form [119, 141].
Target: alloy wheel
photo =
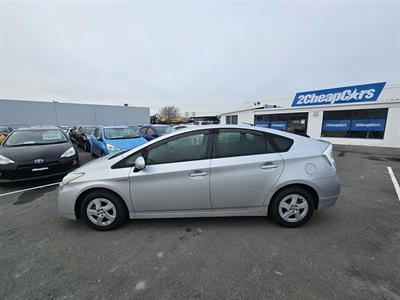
[293, 208]
[101, 211]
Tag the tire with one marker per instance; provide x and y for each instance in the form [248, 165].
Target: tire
[104, 207]
[86, 147]
[292, 207]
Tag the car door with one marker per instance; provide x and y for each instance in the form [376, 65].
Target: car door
[176, 176]
[243, 168]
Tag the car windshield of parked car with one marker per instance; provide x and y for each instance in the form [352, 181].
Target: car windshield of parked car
[89, 130]
[4, 129]
[164, 129]
[119, 133]
[35, 137]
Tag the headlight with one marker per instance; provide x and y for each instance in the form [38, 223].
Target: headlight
[112, 147]
[70, 152]
[5, 161]
[71, 176]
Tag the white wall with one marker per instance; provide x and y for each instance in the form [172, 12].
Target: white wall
[244, 117]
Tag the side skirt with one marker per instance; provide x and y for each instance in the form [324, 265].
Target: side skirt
[229, 212]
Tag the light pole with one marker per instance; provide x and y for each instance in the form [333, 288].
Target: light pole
[55, 111]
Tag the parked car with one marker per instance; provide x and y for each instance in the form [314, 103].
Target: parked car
[35, 153]
[110, 139]
[150, 132]
[4, 132]
[83, 137]
[206, 172]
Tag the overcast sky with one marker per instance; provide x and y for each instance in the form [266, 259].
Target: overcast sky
[200, 56]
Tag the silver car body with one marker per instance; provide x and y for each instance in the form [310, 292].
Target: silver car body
[230, 186]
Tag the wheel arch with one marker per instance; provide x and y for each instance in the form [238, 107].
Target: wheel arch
[78, 202]
[305, 186]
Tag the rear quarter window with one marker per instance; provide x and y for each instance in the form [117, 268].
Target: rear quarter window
[280, 143]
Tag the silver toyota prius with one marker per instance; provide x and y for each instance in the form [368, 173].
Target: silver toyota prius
[207, 171]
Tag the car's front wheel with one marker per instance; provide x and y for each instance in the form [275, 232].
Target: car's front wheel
[103, 210]
[292, 207]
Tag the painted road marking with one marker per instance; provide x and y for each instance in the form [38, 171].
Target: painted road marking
[30, 189]
[395, 183]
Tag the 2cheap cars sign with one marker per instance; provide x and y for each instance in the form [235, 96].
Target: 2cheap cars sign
[342, 95]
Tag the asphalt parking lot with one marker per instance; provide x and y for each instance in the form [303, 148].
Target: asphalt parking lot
[351, 251]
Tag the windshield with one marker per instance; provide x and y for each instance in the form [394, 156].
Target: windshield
[164, 129]
[134, 128]
[35, 137]
[119, 133]
[4, 129]
[89, 130]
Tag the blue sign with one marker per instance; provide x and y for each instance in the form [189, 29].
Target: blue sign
[368, 125]
[262, 124]
[281, 125]
[336, 125]
[342, 95]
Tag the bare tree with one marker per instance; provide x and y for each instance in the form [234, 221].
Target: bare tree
[170, 114]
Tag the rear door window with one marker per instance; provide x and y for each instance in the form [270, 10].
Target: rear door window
[280, 143]
[231, 142]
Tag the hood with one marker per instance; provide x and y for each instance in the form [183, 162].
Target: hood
[125, 144]
[27, 154]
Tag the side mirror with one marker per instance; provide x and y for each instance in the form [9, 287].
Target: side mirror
[140, 164]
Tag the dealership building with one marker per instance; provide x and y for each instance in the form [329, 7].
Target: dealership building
[367, 114]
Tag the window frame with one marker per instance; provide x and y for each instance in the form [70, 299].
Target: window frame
[240, 130]
[145, 150]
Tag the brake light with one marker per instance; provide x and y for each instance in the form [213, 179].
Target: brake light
[328, 155]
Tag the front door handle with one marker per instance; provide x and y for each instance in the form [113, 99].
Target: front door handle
[269, 166]
[195, 174]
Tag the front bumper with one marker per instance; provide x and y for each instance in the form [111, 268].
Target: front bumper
[15, 173]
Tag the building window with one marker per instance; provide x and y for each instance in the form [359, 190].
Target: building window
[362, 123]
[232, 119]
[295, 123]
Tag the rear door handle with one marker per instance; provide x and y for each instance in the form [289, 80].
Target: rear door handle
[269, 166]
[198, 174]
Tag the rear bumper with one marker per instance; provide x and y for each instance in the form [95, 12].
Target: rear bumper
[328, 190]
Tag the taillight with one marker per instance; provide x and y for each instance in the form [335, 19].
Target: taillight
[328, 155]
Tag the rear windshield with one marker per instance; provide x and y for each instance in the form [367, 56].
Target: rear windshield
[35, 137]
[119, 133]
[164, 129]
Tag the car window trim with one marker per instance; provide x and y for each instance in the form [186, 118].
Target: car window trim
[175, 137]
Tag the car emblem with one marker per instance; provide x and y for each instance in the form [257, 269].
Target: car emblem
[38, 161]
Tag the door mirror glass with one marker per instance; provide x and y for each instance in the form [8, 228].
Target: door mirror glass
[140, 163]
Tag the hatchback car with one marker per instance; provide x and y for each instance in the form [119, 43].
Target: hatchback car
[111, 139]
[36, 153]
[150, 132]
[206, 172]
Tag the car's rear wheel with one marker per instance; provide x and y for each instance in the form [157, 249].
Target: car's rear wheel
[292, 207]
[103, 210]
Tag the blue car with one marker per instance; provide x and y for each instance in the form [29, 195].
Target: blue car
[111, 139]
[150, 132]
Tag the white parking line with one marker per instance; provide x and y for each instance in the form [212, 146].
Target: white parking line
[395, 183]
[30, 189]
